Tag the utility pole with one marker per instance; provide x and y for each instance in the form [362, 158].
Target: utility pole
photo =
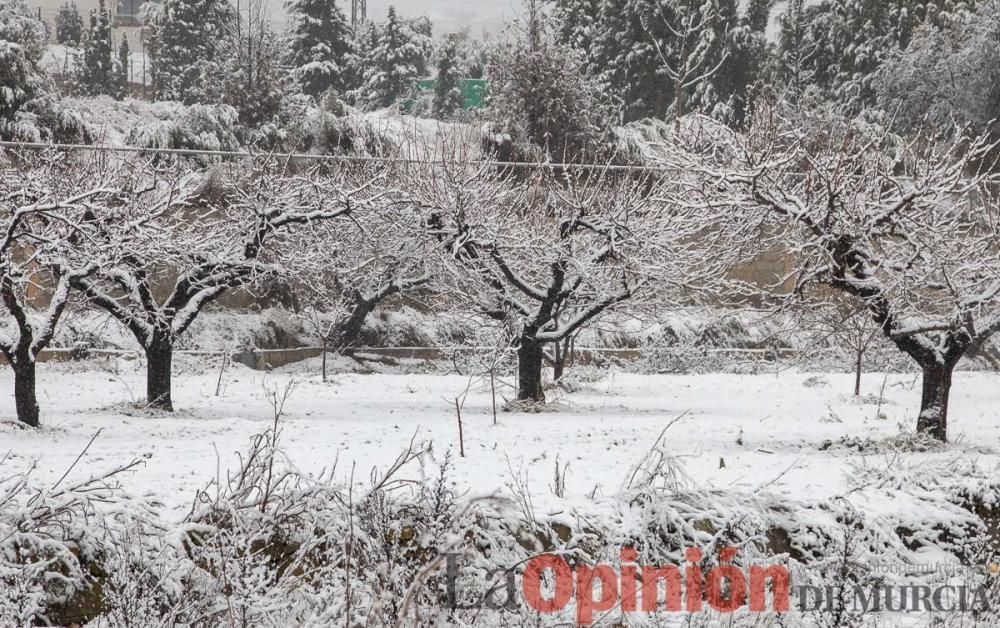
[359, 13]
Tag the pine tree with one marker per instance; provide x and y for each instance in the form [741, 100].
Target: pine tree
[96, 73]
[577, 21]
[744, 54]
[849, 40]
[799, 58]
[392, 67]
[184, 41]
[447, 93]
[69, 25]
[540, 93]
[250, 82]
[22, 44]
[758, 15]
[640, 48]
[121, 82]
[320, 40]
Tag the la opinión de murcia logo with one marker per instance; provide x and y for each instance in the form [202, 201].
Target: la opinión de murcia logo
[549, 584]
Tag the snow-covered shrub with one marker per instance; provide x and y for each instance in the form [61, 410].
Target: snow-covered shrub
[271, 545]
[198, 127]
[51, 546]
[59, 122]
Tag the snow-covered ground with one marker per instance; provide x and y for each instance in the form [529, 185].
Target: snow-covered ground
[738, 432]
[787, 466]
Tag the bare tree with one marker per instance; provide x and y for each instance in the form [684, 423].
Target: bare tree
[361, 264]
[909, 229]
[201, 237]
[48, 209]
[550, 254]
[685, 38]
[843, 319]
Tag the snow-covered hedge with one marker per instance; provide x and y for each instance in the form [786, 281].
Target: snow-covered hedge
[270, 545]
[197, 127]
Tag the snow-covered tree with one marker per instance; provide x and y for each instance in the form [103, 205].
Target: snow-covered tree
[947, 76]
[841, 44]
[249, 56]
[22, 44]
[744, 56]
[663, 56]
[48, 211]
[220, 228]
[320, 45]
[122, 69]
[347, 269]
[183, 42]
[547, 256]
[96, 73]
[69, 25]
[908, 230]
[391, 68]
[473, 55]
[447, 92]
[687, 39]
[540, 93]
[797, 64]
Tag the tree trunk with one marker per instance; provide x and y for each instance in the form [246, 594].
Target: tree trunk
[326, 344]
[24, 392]
[349, 330]
[529, 370]
[933, 418]
[857, 372]
[558, 360]
[159, 360]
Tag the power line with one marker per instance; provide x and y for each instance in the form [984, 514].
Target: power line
[191, 152]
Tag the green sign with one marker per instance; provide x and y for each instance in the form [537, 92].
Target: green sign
[473, 92]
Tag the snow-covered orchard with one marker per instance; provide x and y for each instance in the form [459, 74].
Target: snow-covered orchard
[551, 316]
[355, 323]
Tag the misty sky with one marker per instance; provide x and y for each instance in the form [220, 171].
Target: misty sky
[447, 15]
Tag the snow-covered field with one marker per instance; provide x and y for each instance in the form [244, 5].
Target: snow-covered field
[787, 466]
[736, 432]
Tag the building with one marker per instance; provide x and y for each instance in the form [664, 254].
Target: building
[124, 16]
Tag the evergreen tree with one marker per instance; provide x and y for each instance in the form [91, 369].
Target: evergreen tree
[758, 15]
[320, 40]
[363, 44]
[799, 57]
[69, 25]
[251, 82]
[96, 72]
[184, 41]
[473, 56]
[847, 42]
[948, 78]
[744, 56]
[577, 21]
[121, 83]
[392, 67]
[540, 93]
[22, 44]
[447, 93]
[661, 56]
